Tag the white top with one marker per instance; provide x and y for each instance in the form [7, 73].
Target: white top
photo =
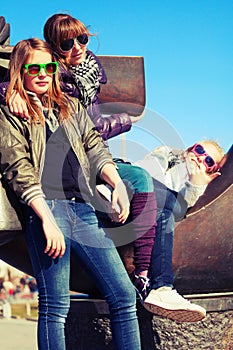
[168, 166]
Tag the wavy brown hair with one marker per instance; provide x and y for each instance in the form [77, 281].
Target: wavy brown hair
[60, 27]
[54, 96]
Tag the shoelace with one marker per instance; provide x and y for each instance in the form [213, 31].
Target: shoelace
[145, 281]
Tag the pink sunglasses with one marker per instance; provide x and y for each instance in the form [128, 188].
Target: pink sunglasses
[209, 162]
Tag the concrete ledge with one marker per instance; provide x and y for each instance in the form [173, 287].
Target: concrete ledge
[82, 304]
[213, 301]
[89, 306]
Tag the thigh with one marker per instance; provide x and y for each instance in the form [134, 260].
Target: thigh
[52, 274]
[135, 177]
[170, 200]
[86, 228]
[98, 255]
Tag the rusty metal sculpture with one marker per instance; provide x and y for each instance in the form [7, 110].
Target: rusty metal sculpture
[203, 247]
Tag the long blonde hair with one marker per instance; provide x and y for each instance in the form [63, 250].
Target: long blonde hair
[54, 96]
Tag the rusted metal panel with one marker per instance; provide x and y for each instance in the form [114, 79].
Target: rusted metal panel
[125, 89]
[4, 31]
[203, 248]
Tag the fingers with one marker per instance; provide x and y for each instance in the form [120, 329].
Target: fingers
[120, 210]
[18, 106]
[19, 111]
[114, 216]
[124, 215]
[120, 203]
[214, 175]
[55, 248]
[120, 217]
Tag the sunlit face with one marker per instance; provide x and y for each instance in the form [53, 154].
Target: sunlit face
[41, 83]
[76, 55]
[210, 150]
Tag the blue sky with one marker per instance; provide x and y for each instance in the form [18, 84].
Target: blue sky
[188, 54]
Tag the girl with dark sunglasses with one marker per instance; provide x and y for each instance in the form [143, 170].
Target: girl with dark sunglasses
[83, 75]
[53, 154]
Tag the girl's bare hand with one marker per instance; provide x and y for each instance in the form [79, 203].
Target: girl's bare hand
[18, 106]
[55, 246]
[120, 203]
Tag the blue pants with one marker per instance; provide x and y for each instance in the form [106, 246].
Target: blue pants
[171, 208]
[96, 252]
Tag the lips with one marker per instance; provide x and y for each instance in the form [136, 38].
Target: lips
[42, 83]
[76, 56]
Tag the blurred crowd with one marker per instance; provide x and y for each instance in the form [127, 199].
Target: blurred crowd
[15, 284]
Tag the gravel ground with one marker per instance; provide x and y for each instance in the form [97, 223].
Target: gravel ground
[213, 333]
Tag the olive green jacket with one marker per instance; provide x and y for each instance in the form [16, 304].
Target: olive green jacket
[22, 151]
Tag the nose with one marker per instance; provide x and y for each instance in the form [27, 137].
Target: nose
[42, 72]
[76, 44]
[200, 158]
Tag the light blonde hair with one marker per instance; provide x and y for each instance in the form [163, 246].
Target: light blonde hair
[217, 147]
[54, 96]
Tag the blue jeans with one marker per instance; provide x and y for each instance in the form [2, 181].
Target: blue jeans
[136, 178]
[96, 252]
[171, 208]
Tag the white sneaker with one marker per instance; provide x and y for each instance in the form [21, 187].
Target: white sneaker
[167, 302]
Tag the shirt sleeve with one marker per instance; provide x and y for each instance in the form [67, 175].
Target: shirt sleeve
[191, 192]
[16, 165]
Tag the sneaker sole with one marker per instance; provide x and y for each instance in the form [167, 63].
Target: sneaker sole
[175, 315]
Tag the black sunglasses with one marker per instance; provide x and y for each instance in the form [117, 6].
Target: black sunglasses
[68, 44]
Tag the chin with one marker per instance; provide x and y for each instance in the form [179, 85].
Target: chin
[76, 62]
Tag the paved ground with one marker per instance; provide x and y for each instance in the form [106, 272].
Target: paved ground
[17, 334]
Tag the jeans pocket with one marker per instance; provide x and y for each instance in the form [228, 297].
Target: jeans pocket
[50, 203]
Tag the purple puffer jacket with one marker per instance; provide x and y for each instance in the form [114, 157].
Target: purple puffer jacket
[108, 127]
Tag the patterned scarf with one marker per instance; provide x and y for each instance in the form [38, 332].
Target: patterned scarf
[86, 76]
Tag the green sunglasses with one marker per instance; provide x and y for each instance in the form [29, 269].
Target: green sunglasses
[34, 69]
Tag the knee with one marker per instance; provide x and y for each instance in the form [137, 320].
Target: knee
[125, 298]
[165, 223]
[130, 296]
[56, 310]
[142, 180]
